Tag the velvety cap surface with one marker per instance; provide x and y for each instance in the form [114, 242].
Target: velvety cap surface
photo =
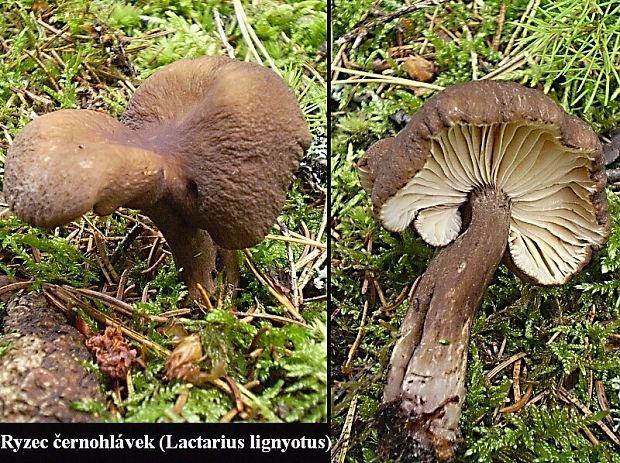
[68, 162]
[236, 133]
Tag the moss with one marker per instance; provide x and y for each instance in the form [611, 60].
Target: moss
[568, 334]
[107, 47]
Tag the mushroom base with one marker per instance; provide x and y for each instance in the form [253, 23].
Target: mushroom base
[197, 256]
[426, 379]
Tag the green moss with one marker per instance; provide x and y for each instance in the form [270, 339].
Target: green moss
[566, 332]
[106, 47]
[572, 49]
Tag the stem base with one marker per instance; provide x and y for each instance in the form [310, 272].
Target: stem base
[196, 254]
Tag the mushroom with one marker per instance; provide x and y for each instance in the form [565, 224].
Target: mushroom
[207, 148]
[484, 170]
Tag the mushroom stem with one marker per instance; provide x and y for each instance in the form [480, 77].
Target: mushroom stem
[195, 254]
[424, 394]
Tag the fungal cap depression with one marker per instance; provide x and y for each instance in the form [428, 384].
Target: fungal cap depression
[240, 137]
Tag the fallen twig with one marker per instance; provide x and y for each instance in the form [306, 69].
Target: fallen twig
[520, 403]
[565, 396]
[115, 303]
[266, 281]
[70, 298]
[359, 33]
[371, 77]
[268, 316]
[504, 364]
[528, 14]
[230, 51]
[15, 286]
[346, 368]
[126, 241]
[500, 26]
[291, 260]
[292, 239]
[342, 446]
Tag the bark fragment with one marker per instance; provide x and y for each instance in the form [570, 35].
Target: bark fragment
[40, 373]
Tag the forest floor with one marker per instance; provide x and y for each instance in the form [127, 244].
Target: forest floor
[543, 378]
[271, 340]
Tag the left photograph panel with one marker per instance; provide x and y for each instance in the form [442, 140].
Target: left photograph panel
[163, 211]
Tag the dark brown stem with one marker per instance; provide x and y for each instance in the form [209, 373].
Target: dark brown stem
[195, 253]
[425, 388]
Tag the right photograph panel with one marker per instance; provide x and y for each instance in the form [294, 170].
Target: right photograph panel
[475, 311]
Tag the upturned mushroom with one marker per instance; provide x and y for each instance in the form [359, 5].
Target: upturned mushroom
[206, 147]
[484, 170]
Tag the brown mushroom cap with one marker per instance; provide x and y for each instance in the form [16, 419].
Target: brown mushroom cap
[502, 136]
[237, 135]
[68, 162]
[215, 139]
[371, 162]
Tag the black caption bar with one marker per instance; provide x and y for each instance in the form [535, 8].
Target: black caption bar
[159, 442]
